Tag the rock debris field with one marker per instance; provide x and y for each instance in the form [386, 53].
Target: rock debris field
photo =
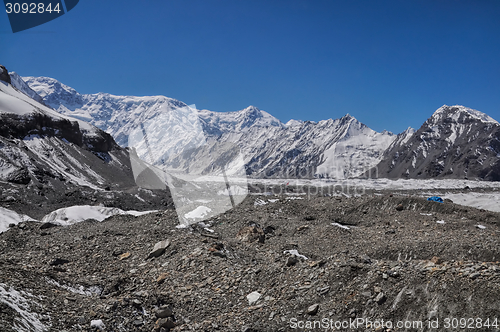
[274, 263]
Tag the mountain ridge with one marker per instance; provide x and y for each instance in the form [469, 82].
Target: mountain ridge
[455, 142]
[333, 148]
[269, 147]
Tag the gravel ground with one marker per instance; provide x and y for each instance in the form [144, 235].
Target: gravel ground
[274, 263]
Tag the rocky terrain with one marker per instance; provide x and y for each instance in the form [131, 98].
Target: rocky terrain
[274, 263]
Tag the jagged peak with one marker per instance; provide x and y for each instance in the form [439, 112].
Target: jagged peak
[409, 130]
[49, 83]
[455, 111]
[349, 117]
[293, 123]
[251, 108]
[387, 132]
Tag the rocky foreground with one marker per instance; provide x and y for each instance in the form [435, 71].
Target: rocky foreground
[275, 263]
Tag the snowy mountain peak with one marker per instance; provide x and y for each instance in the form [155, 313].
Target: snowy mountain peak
[459, 114]
[252, 116]
[293, 123]
[54, 93]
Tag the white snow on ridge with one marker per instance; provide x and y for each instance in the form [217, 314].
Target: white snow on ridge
[28, 321]
[15, 102]
[11, 217]
[462, 109]
[74, 214]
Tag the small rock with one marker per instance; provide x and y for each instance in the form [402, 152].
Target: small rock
[11, 225]
[161, 278]
[98, 324]
[251, 234]
[269, 229]
[159, 249]
[365, 259]
[248, 329]
[292, 260]
[164, 312]
[219, 254]
[124, 256]
[393, 274]
[474, 275]
[253, 297]
[46, 225]
[400, 207]
[380, 299]
[58, 261]
[312, 310]
[117, 252]
[324, 290]
[301, 228]
[436, 260]
[166, 323]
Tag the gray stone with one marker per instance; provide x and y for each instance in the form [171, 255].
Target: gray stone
[292, 260]
[380, 299]
[164, 312]
[253, 297]
[159, 249]
[475, 275]
[313, 310]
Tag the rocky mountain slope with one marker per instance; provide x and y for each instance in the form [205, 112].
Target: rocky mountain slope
[48, 160]
[271, 267]
[455, 142]
[332, 148]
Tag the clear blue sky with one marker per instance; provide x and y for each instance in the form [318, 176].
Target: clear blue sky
[388, 63]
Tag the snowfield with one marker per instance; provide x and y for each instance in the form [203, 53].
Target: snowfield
[11, 217]
[74, 214]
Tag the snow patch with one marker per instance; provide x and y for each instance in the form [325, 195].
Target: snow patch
[294, 253]
[74, 214]
[28, 321]
[198, 213]
[11, 217]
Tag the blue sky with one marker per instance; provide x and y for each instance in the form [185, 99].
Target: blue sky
[388, 63]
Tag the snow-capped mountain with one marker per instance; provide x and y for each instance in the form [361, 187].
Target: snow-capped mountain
[455, 142]
[331, 148]
[46, 157]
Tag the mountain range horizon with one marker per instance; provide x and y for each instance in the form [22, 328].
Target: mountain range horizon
[333, 148]
[251, 107]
